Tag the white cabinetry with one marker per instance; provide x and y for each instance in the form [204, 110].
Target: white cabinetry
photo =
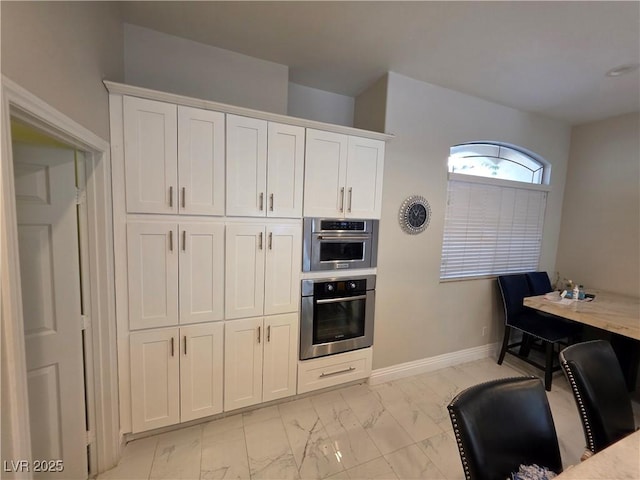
[155, 249]
[260, 359]
[174, 158]
[333, 370]
[176, 375]
[263, 265]
[265, 163]
[343, 176]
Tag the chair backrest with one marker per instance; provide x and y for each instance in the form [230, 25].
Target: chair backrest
[513, 289]
[539, 283]
[502, 424]
[600, 392]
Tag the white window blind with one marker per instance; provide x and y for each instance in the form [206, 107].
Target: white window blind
[491, 230]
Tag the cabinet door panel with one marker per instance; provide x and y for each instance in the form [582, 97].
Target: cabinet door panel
[150, 152]
[153, 274]
[325, 172]
[243, 363]
[283, 264]
[364, 178]
[201, 370]
[246, 166]
[201, 272]
[285, 170]
[244, 267]
[201, 154]
[280, 368]
[155, 373]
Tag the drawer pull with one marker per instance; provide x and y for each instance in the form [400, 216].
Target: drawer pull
[346, 370]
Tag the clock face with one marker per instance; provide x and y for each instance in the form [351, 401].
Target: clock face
[414, 214]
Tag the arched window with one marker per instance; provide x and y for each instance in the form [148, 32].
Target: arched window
[494, 218]
[493, 160]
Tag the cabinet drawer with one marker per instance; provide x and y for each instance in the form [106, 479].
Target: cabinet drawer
[334, 370]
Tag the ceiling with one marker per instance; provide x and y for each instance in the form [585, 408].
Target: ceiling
[544, 57]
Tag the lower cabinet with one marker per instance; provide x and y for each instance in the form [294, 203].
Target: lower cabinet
[261, 358]
[334, 369]
[176, 374]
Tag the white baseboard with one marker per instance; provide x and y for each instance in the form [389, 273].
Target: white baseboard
[431, 364]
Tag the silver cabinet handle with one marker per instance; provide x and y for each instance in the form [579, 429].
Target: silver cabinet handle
[342, 199]
[171, 240]
[268, 333]
[271, 202]
[184, 240]
[261, 200]
[172, 342]
[270, 240]
[346, 370]
[260, 241]
[341, 299]
[259, 334]
[185, 344]
[184, 197]
[171, 196]
[350, 198]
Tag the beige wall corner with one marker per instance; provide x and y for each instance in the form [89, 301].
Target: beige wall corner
[371, 106]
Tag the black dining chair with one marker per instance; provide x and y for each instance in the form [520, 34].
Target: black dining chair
[539, 283]
[600, 392]
[502, 424]
[548, 329]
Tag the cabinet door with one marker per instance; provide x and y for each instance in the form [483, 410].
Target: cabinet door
[283, 265]
[325, 174]
[365, 167]
[201, 161]
[243, 363]
[201, 370]
[280, 367]
[201, 272]
[244, 267]
[285, 171]
[150, 156]
[155, 385]
[152, 267]
[246, 166]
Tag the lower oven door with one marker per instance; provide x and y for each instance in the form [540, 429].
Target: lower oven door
[335, 325]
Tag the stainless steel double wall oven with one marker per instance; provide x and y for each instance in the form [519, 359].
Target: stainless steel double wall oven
[337, 312]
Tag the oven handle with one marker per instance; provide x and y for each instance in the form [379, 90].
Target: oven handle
[344, 237]
[341, 299]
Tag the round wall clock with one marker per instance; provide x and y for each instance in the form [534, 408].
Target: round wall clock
[414, 215]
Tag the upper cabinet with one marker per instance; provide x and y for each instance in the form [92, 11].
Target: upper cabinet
[265, 163]
[343, 176]
[174, 158]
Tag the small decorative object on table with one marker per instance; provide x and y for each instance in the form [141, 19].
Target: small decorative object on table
[532, 472]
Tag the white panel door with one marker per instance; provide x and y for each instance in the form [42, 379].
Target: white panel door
[280, 362]
[152, 265]
[201, 268]
[283, 264]
[201, 154]
[150, 156]
[201, 370]
[244, 271]
[364, 178]
[243, 363]
[246, 166]
[285, 170]
[50, 277]
[155, 383]
[325, 174]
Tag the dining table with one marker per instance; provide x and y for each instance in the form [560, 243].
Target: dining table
[620, 460]
[611, 312]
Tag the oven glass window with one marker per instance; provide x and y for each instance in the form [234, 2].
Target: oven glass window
[339, 320]
[341, 251]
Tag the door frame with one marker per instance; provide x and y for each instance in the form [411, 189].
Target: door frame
[19, 103]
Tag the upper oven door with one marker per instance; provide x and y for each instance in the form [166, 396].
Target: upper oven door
[335, 251]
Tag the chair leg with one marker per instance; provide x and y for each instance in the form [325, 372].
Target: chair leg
[548, 371]
[525, 348]
[505, 343]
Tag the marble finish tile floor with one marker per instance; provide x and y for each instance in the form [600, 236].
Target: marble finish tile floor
[395, 430]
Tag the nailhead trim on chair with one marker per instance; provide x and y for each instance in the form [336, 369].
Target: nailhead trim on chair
[581, 406]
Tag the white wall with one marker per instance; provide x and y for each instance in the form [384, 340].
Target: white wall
[61, 52]
[320, 105]
[177, 65]
[416, 315]
[600, 235]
